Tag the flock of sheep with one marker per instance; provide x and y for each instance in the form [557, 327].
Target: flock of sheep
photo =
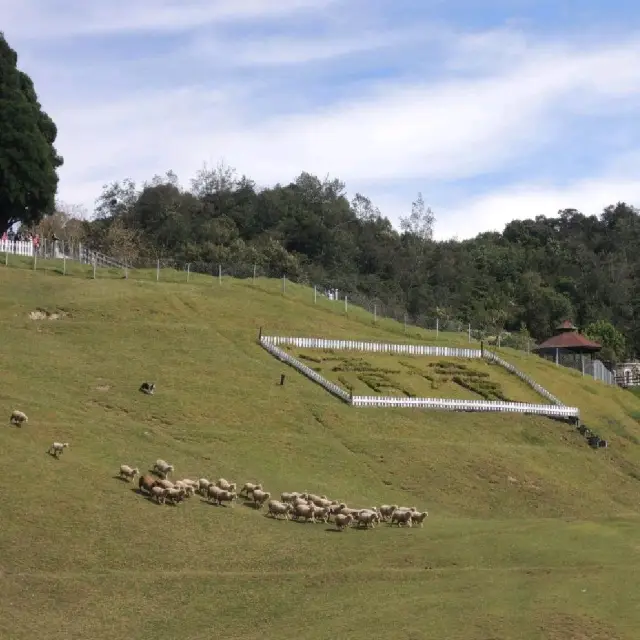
[304, 507]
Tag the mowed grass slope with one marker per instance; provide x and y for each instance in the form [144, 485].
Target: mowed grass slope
[531, 534]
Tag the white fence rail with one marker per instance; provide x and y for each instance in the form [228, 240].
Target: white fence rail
[465, 405]
[492, 357]
[559, 410]
[376, 347]
[20, 248]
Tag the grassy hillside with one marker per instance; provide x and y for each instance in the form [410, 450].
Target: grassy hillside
[531, 534]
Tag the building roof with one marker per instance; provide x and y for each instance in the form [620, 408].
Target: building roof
[569, 340]
[567, 325]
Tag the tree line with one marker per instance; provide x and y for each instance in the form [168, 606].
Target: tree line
[525, 280]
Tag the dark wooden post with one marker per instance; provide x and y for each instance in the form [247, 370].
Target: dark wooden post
[260, 335]
[282, 379]
[482, 348]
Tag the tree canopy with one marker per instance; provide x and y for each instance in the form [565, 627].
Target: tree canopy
[525, 280]
[28, 158]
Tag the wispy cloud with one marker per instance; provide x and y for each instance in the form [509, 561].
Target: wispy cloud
[482, 121]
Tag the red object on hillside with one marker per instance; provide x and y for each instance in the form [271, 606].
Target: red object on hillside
[568, 338]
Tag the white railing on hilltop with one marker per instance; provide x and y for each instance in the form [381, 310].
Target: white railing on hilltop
[465, 405]
[19, 247]
[492, 357]
[559, 410]
[377, 347]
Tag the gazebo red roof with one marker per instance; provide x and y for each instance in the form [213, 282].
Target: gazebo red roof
[567, 325]
[569, 340]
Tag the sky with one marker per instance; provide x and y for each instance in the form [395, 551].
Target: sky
[494, 110]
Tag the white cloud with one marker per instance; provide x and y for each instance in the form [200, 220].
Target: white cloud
[493, 211]
[47, 18]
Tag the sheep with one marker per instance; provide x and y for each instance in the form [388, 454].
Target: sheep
[18, 418]
[159, 494]
[403, 517]
[203, 485]
[342, 520]
[320, 513]
[213, 492]
[221, 483]
[305, 511]
[175, 494]
[288, 497]
[260, 497]
[367, 517]
[146, 483]
[249, 488]
[189, 489]
[277, 508]
[162, 468]
[57, 448]
[227, 496]
[165, 484]
[418, 517]
[128, 473]
[386, 510]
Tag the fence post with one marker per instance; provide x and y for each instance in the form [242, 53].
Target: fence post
[158, 270]
[126, 271]
[315, 294]
[346, 305]
[188, 270]
[64, 261]
[405, 323]
[6, 257]
[254, 273]
[219, 274]
[95, 264]
[437, 327]
[469, 330]
[375, 313]
[284, 284]
[35, 258]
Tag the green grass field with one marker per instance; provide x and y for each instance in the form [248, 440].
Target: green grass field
[417, 376]
[530, 535]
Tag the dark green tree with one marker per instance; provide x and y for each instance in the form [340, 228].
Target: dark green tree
[28, 158]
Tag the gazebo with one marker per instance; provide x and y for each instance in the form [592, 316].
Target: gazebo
[569, 344]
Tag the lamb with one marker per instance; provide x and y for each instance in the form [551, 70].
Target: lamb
[128, 473]
[18, 418]
[342, 520]
[249, 488]
[221, 483]
[159, 494]
[260, 497]
[57, 448]
[386, 510]
[227, 496]
[162, 468]
[276, 508]
[418, 517]
[146, 483]
[403, 517]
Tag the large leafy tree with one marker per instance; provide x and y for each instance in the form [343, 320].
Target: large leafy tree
[28, 157]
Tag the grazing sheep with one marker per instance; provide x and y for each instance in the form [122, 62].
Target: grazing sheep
[260, 497]
[418, 517]
[249, 488]
[203, 485]
[227, 496]
[343, 520]
[276, 508]
[213, 492]
[57, 448]
[159, 494]
[401, 517]
[146, 483]
[127, 472]
[162, 468]
[18, 418]
[148, 387]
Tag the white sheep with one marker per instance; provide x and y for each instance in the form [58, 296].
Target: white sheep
[159, 494]
[227, 486]
[367, 517]
[57, 448]
[18, 418]
[165, 484]
[418, 517]
[189, 489]
[163, 468]
[227, 496]
[277, 508]
[213, 492]
[306, 511]
[203, 485]
[289, 496]
[248, 489]
[320, 513]
[342, 520]
[260, 497]
[386, 510]
[127, 472]
[401, 517]
[175, 494]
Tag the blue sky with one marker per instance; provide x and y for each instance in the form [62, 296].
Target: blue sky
[494, 110]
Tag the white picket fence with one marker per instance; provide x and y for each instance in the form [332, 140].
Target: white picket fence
[559, 410]
[21, 248]
[465, 405]
[377, 347]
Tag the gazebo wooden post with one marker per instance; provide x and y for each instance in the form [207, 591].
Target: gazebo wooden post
[557, 356]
